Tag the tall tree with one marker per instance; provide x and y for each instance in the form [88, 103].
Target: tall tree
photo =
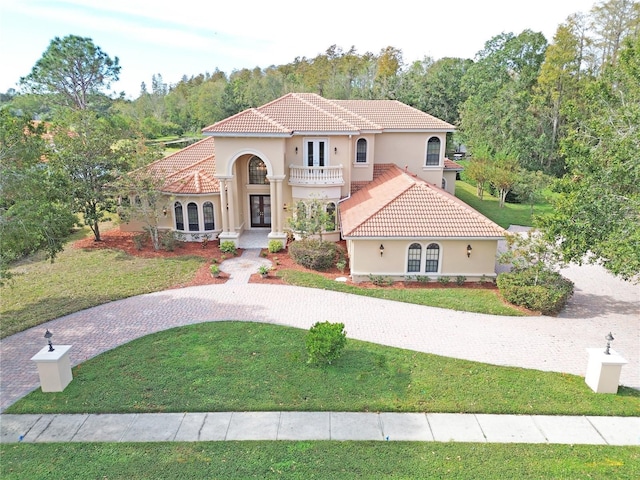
[34, 206]
[612, 22]
[85, 154]
[597, 214]
[73, 70]
[499, 88]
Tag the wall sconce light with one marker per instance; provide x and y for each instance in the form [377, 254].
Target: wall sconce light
[381, 249]
[285, 207]
[164, 211]
[296, 150]
[48, 336]
[335, 150]
[609, 338]
[469, 250]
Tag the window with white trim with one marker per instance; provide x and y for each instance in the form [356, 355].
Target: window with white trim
[207, 212]
[433, 152]
[414, 258]
[361, 150]
[192, 216]
[432, 258]
[177, 209]
[316, 152]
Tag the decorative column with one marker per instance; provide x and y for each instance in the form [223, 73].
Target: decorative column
[277, 205]
[227, 208]
[54, 368]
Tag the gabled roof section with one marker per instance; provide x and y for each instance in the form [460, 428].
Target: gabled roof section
[190, 170]
[300, 113]
[397, 204]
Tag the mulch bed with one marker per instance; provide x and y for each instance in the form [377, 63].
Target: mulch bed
[124, 241]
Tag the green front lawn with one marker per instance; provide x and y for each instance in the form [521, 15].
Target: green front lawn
[317, 460]
[510, 214]
[79, 279]
[242, 366]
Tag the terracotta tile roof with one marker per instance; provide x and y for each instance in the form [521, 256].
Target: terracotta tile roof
[308, 112]
[397, 204]
[451, 165]
[190, 170]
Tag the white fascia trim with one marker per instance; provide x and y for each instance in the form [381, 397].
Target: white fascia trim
[317, 133]
[419, 130]
[421, 238]
[251, 135]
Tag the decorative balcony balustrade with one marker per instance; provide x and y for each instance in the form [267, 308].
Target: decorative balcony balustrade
[330, 175]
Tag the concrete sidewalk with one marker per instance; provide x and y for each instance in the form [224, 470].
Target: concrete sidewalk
[340, 426]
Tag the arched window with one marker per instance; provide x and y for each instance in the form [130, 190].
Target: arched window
[433, 258]
[207, 212]
[415, 255]
[433, 151]
[257, 171]
[177, 209]
[331, 212]
[361, 151]
[192, 214]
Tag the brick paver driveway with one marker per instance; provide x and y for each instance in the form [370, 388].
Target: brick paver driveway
[601, 304]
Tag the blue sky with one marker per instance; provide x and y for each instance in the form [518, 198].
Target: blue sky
[176, 38]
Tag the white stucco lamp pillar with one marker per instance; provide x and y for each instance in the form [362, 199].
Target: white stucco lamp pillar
[604, 367]
[54, 367]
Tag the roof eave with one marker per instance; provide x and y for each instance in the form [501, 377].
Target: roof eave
[247, 134]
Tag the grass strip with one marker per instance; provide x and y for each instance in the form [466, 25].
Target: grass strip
[245, 366]
[318, 460]
[461, 299]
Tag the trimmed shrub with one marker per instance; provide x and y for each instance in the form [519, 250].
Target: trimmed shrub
[313, 254]
[544, 291]
[325, 342]
[460, 279]
[275, 246]
[380, 280]
[228, 247]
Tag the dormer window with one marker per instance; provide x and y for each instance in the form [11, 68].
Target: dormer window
[433, 152]
[361, 151]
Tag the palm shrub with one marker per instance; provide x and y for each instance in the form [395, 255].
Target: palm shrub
[325, 342]
[313, 254]
[545, 291]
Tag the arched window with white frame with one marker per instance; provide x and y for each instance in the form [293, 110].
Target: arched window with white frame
[414, 258]
[432, 258]
[207, 212]
[361, 150]
[177, 210]
[433, 152]
[192, 216]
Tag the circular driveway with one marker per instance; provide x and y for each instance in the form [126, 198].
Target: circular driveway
[601, 304]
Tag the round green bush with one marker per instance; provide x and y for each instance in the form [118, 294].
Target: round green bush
[545, 291]
[313, 254]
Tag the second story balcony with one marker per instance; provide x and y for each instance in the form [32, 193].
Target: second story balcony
[320, 176]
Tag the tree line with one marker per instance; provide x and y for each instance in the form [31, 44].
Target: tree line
[522, 106]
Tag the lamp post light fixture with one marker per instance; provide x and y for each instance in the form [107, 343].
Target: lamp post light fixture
[609, 338]
[48, 336]
[164, 211]
[381, 249]
[469, 250]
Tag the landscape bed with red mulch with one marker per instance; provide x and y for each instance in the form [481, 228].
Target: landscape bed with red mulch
[124, 241]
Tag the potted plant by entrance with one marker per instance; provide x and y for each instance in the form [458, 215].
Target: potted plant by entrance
[264, 270]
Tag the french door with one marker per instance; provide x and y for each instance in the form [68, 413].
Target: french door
[260, 210]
